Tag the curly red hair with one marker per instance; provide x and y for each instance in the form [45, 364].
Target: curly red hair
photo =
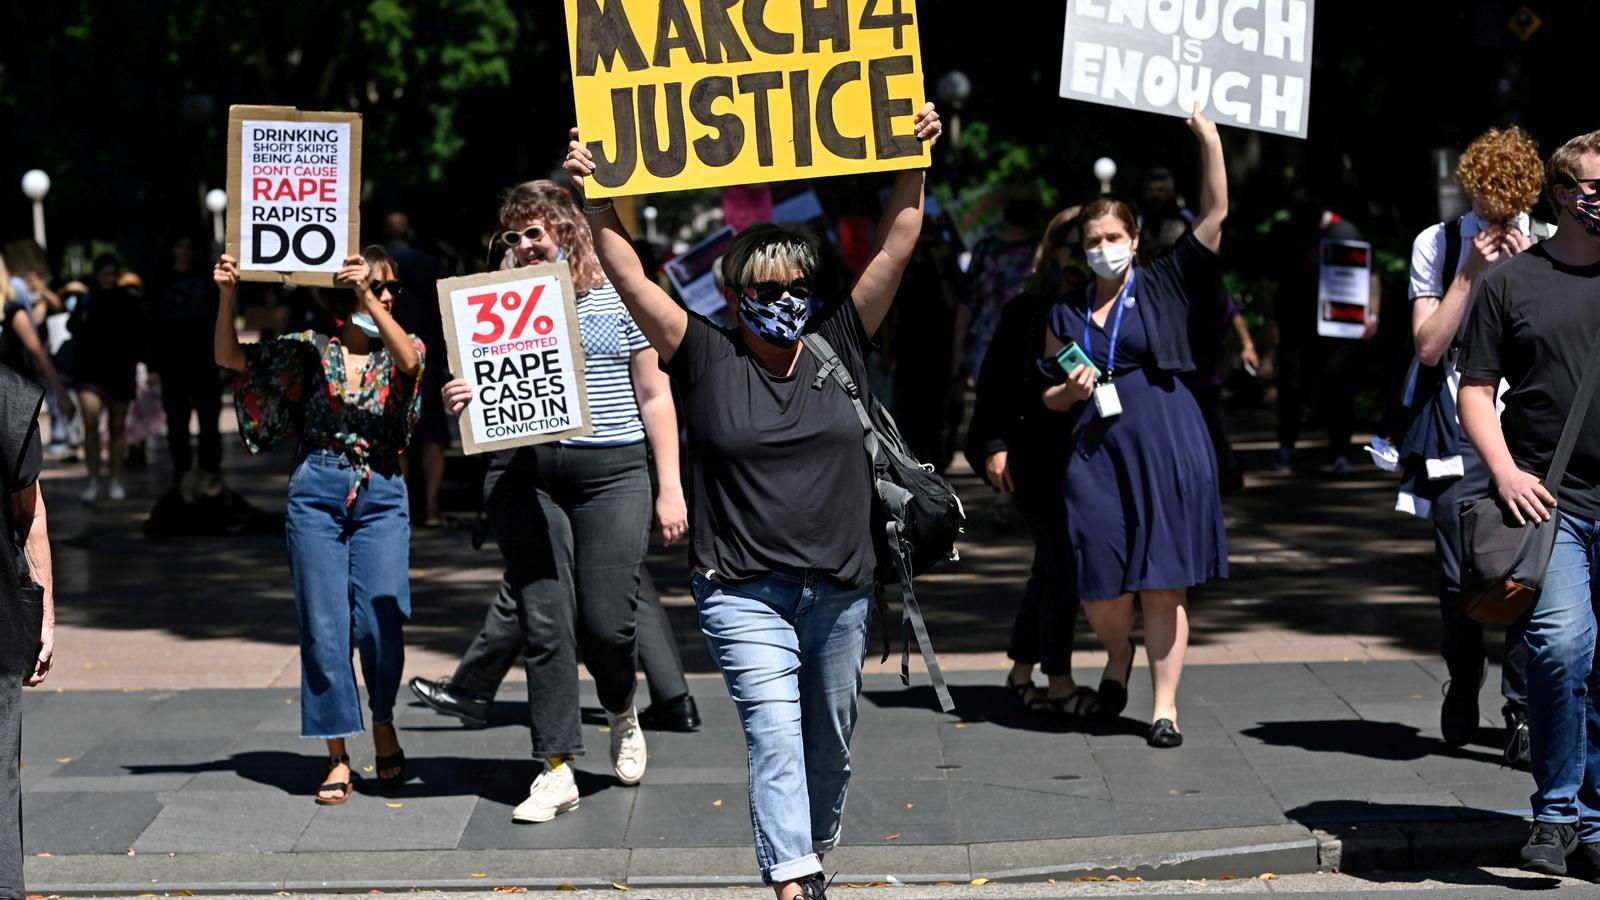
[1502, 172]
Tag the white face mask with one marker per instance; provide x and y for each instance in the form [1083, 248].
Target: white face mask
[1110, 260]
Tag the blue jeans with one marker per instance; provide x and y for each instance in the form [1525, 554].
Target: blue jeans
[790, 646]
[1563, 725]
[351, 586]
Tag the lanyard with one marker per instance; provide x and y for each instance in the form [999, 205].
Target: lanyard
[1116, 328]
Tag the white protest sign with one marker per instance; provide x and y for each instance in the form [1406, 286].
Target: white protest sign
[1344, 292]
[296, 176]
[694, 274]
[514, 337]
[1246, 62]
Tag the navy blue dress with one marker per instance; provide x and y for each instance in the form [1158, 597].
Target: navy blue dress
[1143, 506]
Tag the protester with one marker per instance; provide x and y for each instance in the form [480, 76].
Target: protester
[1000, 266]
[350, 401]
[417, 311]
[781, 546]
[109, 325]
[1535, 325]
[27, 600]
[1019, 448]
[1143, 511]
[182, 312]
[22, 348]
[573, 519]
[1503, 175]
[1311, 366]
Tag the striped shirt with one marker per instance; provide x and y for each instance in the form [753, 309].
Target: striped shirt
[610, 338]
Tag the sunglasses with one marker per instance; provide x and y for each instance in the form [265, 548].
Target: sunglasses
[532, 232]
[773, 291]
[393, 287]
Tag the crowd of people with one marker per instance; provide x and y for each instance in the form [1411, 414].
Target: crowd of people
[1096, 349]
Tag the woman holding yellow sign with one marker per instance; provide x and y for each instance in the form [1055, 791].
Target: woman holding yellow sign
[781, 540]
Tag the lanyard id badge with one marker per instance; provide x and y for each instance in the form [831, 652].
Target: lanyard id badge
[1106, 401]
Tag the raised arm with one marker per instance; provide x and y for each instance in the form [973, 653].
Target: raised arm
[357, 276]
[898, 232]
[1214, 189]
[661, 319]
[225, 344]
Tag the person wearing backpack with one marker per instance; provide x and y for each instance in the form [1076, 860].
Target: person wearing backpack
[1143, 506]
[350, 403]
[1503, 175]
[781, 499]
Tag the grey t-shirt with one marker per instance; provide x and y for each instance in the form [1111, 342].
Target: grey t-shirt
[779, 478]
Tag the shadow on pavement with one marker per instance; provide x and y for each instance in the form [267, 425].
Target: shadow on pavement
[1362, 737]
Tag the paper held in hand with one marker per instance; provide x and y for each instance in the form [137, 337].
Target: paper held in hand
[514, 337]
[294, 180]
[1344, 293]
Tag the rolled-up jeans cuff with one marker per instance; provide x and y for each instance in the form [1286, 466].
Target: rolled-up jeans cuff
[794, 869]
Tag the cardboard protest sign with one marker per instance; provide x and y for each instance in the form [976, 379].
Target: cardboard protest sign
[1344, 294]
[683, 94]
[1246, 62]
[694, 274]
[297, 179]
[514, 337]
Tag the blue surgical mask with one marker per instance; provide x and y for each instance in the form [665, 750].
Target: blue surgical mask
[780, 323]
[365, 322]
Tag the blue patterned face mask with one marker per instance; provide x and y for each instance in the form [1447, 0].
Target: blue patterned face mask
[779, 323]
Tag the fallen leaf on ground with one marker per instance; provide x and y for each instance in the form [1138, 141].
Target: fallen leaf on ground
[566, 887]
[183, 893]
[394, 805]
[368, 768]
[605, 729]
[1088, 878]
[621, 887]
[1266, 876]
[374, 891]
[961, 724]
[479, 875]
[716, 803]
[892, 837]
[911, 806]
[131, 853]
[1049, 881]
[980, 881]
[63, 759]
[43, 855]
[510, 889]
[945, 884]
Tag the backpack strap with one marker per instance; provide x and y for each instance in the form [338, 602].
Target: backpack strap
[1452, 252]
[911, 612]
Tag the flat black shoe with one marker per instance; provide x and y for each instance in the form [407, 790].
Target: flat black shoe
[397, 761]
[672, 715]
[1164, 734]
[1519, 753]
[1114, 696]
[1548, 847]
[439, 697]
[1458, 716]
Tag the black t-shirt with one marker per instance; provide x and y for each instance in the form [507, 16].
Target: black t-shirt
[1534, 324]
[779, 478]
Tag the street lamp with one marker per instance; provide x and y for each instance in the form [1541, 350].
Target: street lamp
[650, 215]
[1105, 169]
[954, 89]
[35, 184]
[217, 202]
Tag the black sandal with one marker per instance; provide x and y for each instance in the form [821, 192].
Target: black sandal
[397, 761]
[1114, 696]
[346, 788]
[1082, 702]
[1027, 692]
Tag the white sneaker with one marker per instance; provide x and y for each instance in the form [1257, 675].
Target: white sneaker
[91, 491]
[553, 792]
[628, 753]
[116, 492]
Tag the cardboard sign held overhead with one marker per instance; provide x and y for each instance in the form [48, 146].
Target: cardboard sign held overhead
[295, 184]
[514, 337]
[683, 94]
[1246, 62]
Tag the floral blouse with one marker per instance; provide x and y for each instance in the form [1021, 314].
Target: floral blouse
[291, 391]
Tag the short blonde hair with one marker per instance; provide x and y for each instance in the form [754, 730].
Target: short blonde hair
[1501, 170]
[762, 246]
[1563, 168]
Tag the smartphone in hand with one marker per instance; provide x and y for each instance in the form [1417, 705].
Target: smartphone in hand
[1072, 356]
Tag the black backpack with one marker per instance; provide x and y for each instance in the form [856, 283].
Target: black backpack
[916, 519]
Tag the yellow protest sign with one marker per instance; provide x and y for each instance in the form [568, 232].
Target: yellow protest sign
[682, 94]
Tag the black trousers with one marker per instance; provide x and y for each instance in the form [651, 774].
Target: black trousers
[1462, 640]
[1043, 631]
[572, 524]
[1324, 369]
[187, 387]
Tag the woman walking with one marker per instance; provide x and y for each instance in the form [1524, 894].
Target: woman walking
[109, 326]
[1144, 514]
[350, 401]
[781, 539]
[572, 520]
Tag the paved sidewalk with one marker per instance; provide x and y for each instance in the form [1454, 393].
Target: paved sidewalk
[210, 789]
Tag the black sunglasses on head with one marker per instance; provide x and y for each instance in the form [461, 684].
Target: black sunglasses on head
[393, 287]
[773, 291]
[514, 238]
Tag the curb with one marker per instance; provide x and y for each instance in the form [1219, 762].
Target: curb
[1374, 846]
[1212, 853]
